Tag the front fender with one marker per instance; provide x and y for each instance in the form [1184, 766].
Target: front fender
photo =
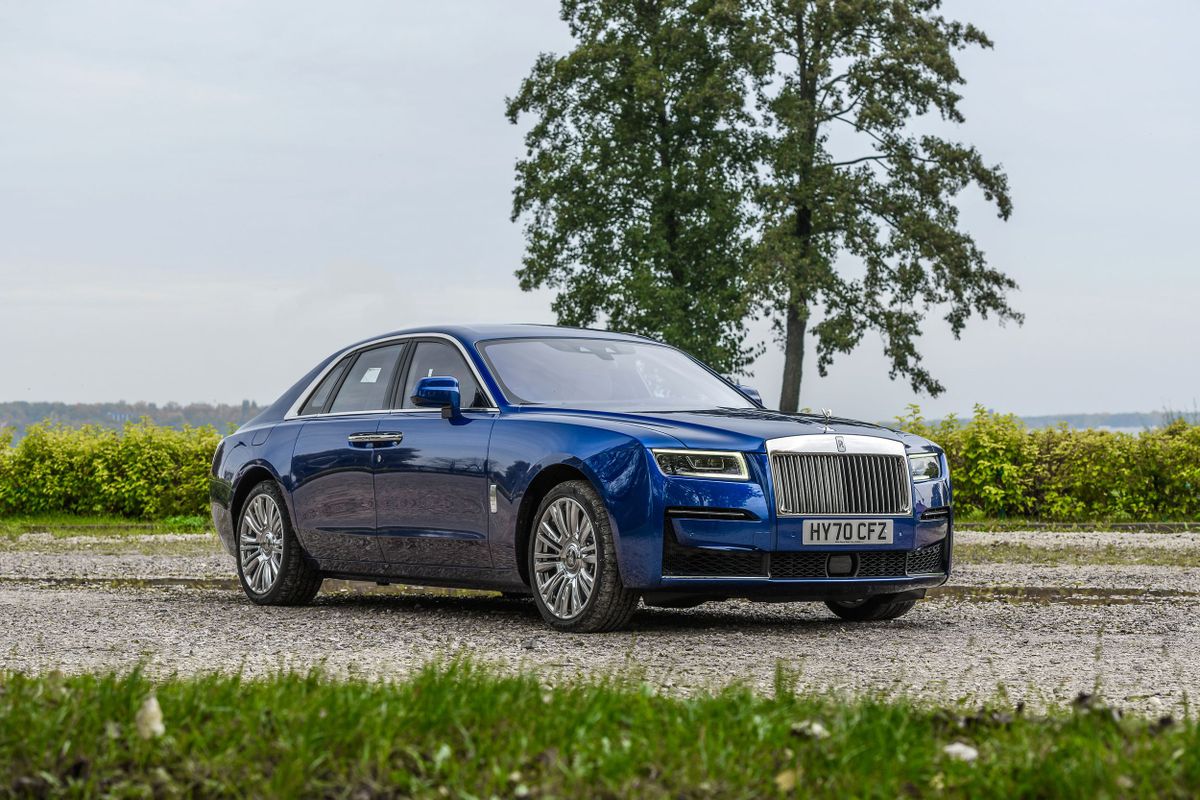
[614, 461]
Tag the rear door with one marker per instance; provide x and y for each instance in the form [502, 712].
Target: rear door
[334, 461]
[431, 490]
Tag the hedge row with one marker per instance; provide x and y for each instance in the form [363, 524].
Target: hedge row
[145, 470]
[1000, 468]
[1003, 469]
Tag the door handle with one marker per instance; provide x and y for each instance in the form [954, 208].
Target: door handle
[391, 437]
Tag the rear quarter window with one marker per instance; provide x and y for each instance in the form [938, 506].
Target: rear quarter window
[320, 398]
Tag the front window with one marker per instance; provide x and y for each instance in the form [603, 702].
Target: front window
[605, 374]
[444, 360]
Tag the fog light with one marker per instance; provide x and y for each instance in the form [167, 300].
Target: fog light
[840, 565]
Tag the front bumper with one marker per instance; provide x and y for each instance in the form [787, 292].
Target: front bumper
[724, 538]
[770, 590]
[223, 523]
[813, 572]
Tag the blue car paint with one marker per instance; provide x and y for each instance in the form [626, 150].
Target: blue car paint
[431, 490]
[331, 488]
[609, 449]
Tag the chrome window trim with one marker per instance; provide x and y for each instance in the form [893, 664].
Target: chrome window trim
[294, 411]
[827, 444]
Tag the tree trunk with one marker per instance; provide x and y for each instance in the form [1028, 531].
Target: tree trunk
[796, 322]
[793, 355]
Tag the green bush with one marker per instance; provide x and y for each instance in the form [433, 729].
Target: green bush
[1000, 469]
[144, 470]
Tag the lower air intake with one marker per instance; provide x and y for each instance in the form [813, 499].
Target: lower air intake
[696, 562]
[699, 562]
[928, 560]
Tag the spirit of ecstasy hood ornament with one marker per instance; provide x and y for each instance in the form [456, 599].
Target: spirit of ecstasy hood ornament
[828, 415]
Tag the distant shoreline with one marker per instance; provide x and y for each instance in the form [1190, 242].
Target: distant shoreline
[1125, 421]
[19, 415]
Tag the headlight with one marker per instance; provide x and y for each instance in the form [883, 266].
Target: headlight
[702, 464]
[925, 467]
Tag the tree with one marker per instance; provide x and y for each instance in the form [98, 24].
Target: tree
[859, 73]
[637, 170]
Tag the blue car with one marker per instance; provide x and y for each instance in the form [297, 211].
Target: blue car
[591, 470]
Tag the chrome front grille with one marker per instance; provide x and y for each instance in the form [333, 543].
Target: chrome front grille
[840, 483]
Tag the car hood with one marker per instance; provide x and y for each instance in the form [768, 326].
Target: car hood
[737, 429]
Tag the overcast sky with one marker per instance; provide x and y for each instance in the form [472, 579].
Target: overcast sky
[200, 199]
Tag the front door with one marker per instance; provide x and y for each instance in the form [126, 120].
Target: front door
[431, 491]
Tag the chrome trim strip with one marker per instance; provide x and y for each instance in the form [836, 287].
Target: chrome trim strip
[294, 411]
[823, 581]
[716, 578]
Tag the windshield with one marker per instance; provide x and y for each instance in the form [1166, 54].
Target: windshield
[605, 373]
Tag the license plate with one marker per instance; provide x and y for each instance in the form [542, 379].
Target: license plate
[848, 531]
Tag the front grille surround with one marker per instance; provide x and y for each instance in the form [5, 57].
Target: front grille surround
[841, 484]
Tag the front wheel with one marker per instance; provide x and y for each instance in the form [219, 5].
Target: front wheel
[880, 607]
[573, 563]
[271, 565]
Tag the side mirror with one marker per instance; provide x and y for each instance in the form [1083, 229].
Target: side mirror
[752, 393]
[439, 391]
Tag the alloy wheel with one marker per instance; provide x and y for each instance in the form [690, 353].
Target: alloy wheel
[564, 558]
[261, 543]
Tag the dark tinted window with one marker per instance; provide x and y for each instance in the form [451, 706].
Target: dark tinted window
[317, 400]
[368, 380]
[443, 360]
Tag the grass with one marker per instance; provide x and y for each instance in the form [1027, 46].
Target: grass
[1073, 555]
[119, 536]
[968, 523]
[461, 731]
[69, 525]
[76, 525]
[99, 535]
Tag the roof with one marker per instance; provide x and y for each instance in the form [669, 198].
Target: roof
[476, 333]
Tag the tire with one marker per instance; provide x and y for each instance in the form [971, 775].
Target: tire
[877, 608]
[279, 572]
[585, 551]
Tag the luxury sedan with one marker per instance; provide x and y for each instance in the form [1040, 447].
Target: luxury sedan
[591, 470]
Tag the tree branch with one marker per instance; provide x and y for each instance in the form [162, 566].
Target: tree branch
[839, 114]
[881, 157]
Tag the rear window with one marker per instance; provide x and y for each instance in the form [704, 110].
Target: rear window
[368, 381]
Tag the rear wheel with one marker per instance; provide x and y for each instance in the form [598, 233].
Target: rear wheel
[271, 564]
[880, 607]
[573, 563]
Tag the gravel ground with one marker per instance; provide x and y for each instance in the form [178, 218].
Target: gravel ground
[1097, 539]
[1042, 634]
